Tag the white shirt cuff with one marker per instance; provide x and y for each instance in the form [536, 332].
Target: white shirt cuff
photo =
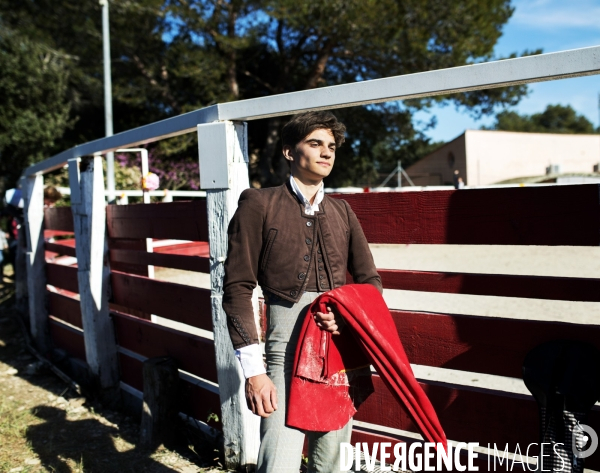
[251, 360]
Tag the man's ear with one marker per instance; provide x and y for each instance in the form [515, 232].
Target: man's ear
[288, 152]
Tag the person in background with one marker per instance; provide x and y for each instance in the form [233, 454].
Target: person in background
[13, 210]
[3, 248]
[51, 196]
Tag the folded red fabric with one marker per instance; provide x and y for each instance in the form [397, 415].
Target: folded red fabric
[323, 361]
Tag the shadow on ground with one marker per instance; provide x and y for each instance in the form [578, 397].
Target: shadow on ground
[65, 432]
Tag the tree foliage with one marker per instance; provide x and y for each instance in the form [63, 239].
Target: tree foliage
[555, 119]
[172, 56]
[277, 46]
[34, 110]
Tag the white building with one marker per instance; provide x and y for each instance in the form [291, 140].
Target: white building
[484, 157]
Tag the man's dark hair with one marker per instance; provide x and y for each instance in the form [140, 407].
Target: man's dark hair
[303, 124]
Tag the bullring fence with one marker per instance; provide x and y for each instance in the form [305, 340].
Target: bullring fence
[104, 310]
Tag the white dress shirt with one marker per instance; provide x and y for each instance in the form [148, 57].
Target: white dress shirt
[250, 356]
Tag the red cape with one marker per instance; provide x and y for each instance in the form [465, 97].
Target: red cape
[319, 398]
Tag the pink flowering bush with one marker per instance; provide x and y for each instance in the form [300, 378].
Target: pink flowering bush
[173, 173]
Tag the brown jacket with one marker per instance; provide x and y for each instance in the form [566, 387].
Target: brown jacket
[272, 241]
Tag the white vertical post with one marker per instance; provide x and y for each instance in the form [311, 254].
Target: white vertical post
[224, 175]
[145, 171]
[93, 273]
[36, 261]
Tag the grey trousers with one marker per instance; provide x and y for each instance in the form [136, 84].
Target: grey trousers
[281, 446]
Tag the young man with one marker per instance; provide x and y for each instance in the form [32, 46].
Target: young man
[297, 243]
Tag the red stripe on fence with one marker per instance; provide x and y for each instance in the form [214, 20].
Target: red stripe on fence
[557, 215]
[67, 338]
[187, 263]
[62, 248]
[137, 244]
[55, 233]
[192, 248]
[178, 220]
[64, 277]
[533, 287]
[481, 344]
[64, 308]
[469, 416]
[58, 218]
[131, 371]
[201, 404]
[186, 304]
[194, 354]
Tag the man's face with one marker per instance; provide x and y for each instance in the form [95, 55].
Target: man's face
[312, 159]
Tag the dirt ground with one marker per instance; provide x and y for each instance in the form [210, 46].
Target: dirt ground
[45, 426]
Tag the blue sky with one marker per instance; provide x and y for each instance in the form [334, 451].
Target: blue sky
[552, 25]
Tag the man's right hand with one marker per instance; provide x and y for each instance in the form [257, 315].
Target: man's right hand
[261, 395]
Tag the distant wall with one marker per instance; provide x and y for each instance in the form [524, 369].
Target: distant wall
[494, 156]
[437, 169]
[485, 157]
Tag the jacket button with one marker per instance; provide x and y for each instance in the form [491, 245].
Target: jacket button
[308, 241]
[321, 276]
[306, 257]
[319, 251]
[293, 293]
[320, 260]
[301, 276]
[320, 268]
[309, 224]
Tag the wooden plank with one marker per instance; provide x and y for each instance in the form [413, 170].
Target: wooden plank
[195, 354]
[131, 371]
[55, 233]
[36, 261]
[178, 220]
[62, 248]
[240, 427]
[64, 308]
[67, 338]
[59, 218]
[165, 260]
[468, 415]
[134, 244]
[201, 404]
[186, 304]
[556, 215]
[93, 273]
[64, 277]
[533, 287]
[160, 419]
[128, 310]
[192, 248]
[480, 344]
[196, 402]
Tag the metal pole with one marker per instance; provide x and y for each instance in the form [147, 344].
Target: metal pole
[399, 171]
[108, 113]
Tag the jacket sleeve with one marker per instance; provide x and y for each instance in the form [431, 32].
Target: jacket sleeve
[241, 268]
[360, 259]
